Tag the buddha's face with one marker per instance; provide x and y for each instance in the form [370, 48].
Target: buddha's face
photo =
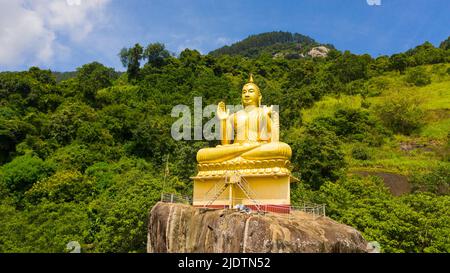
[250, 95]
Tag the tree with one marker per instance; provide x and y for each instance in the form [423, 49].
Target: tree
[66, 120]
[190, 58]
[63, 186]
[254, 45]
[398, 62]
[93, 77]
[21, 173]
[425, 53]
[349, 67]
[379, 65]
[12, 131]
[156, 54]
[317, 155]
[120, 213]
[43, 76]
[44, 228]
[445, 45]
[131, 58]
[151, 139]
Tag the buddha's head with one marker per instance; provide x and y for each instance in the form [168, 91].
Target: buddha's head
[251, 96]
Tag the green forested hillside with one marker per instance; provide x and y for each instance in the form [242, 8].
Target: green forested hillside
[269, 43]
[84, 159]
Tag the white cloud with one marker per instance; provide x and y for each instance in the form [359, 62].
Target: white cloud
[38, 32]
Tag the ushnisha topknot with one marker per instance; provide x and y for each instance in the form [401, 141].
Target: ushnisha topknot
[251, 84]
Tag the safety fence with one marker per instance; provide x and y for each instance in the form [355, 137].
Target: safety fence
[316, 210]
[175, 198]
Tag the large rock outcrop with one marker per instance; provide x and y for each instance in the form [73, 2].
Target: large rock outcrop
[179, 228]
[319, 51]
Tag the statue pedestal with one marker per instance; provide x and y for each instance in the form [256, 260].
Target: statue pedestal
[261, 183]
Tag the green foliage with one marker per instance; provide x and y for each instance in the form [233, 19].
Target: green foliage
[436, 181]
[190, 58]
[12, 131]
[360, 152]
[156, 54]
[426, 54]
[317, 155]
[131, 59]
[42, 76]
[253, 45]
[118, 120]
[62, 76]
[76, 156]
[21, 173]
[102, 173]
[122, 212]
[399, 62]
[46, 227]
[357, 87]
[349, 67]
[354, 124]
[152, 139]
[411, 223]
[379, 66]
[93, 132]
[66, 120]
[375, 86]
[445, 45]
[400, 113]
[63, 186]
[117, 95]
[418, 76]
[93, 77]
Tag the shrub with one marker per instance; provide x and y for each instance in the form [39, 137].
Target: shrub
[361, 152]
[418, 76]
[401, 113]
[20, 174]
[357, 87]
[354, 124]
[365, 104]
[375, 86]
[436, 181]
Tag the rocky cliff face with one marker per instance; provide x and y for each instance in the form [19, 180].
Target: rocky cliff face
[177, 228]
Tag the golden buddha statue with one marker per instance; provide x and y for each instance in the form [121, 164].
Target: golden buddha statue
[255, 131]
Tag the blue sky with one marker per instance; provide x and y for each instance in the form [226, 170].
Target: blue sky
[64, 34]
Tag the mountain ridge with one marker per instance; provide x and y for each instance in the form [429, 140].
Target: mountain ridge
[271, 43]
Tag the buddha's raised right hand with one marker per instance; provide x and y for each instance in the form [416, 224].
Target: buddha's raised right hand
[222, 112]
